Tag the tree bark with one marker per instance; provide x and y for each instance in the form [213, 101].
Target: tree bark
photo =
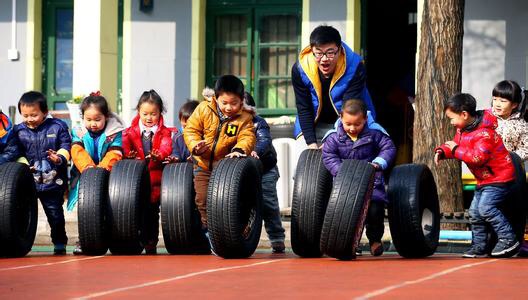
[439, 77]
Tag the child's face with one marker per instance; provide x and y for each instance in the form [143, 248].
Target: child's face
[32, 115]
[503, 107]
[149, 113]
[229, 103]
[353, 123]
[459, 120]
[94, 120]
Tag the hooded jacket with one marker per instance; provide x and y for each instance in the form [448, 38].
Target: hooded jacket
[371, 145]
[514, 134]
[222, 137]
[161, 142]
[483, 151]
[347, 64]
[109, 151]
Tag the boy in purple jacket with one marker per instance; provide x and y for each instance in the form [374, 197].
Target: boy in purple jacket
[354, 140]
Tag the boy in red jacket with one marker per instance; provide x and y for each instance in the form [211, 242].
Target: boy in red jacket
[478, 145]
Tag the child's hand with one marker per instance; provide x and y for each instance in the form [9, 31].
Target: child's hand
[313, 146]
[154, 155]
[132, 154]
[450, 144]
[376, 166]
[190, 159]
[254, 154]
[54, 157]
[235, 154]
[200, 148]
[171, 159]
[32, 169]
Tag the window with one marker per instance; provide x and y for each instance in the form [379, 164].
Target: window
[57, 52]
[259, 43]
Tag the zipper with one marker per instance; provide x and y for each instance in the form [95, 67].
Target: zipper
[218, 130]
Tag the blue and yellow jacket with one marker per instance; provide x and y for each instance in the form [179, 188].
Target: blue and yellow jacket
[346, 67]
[102, 151]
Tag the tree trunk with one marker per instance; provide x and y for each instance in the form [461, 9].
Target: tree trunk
[439, 77]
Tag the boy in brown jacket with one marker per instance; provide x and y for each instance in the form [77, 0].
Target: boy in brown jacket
[219, 127]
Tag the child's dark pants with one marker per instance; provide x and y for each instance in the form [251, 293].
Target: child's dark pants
[52, 203]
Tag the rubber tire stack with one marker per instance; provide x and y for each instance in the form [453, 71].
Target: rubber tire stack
[18, 210]
[233, 207]
[311, 190]
[92, 211]
[180, 220]
[414, 210]
[347, 209]
[129, 192]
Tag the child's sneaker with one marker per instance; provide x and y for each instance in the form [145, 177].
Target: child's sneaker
[505, 248]
[206, 233]
[278, 247]
[376, 248]
[474, 252]
[77, 250]
[59, 249]
[358, 251]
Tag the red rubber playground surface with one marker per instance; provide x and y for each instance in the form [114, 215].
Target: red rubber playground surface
[263, 276]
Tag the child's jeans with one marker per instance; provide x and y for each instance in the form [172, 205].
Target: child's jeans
[201, 182]
[485, 210]
[270, 206]
[52, 203]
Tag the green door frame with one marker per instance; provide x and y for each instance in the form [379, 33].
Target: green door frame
[49, 50]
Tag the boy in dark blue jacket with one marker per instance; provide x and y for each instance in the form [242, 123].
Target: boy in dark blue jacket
[9, 149]
[179, 149]
[45, 142]
[265, 151]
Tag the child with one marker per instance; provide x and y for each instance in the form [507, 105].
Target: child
[179, 149]
[97, 144]
[353, 140]
[147, 138]
[265, 151]
[509, 106]
[9, 148]
[219, 127]
[45, 142]
[478, 145]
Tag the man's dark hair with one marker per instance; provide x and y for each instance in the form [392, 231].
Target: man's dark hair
[34, 98]
[323, 35]
[354, 107]
[187, 109]
[229, 84]
[461, 102]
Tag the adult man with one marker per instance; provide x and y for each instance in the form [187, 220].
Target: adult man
[327, 73]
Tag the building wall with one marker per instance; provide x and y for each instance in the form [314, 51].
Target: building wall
[159, 55]
[12, 73]
[329, 12]
[495, 46]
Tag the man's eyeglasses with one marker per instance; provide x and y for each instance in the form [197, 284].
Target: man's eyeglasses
[330, 53]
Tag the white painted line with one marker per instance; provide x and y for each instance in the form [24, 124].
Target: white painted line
[50, 263]
[151, 283]
[409, 282]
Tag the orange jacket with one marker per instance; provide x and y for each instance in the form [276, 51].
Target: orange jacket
[234, 134]
[109, 150]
